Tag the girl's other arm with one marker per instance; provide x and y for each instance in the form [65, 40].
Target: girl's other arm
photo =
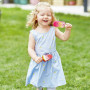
[64, 36]
[31, 49]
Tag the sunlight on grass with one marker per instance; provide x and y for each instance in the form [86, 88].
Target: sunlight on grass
[14, 58]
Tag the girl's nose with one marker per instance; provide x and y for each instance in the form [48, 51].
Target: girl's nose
[45, 16]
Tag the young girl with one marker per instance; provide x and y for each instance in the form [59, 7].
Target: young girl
[47, 74]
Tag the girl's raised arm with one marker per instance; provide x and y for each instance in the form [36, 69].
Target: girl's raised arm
[64, 36]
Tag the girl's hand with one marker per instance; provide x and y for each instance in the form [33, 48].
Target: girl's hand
[38, 59]
[68, 26]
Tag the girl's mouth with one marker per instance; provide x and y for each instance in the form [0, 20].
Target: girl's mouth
[45, 20]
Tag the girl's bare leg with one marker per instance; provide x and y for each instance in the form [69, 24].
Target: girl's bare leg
[40, 88]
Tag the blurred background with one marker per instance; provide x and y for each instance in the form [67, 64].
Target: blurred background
[52, 2]
[67, 6]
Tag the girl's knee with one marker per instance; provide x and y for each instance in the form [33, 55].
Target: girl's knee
[39, 88]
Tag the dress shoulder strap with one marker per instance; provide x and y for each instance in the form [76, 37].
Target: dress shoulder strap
[33, 33]
[52, 30]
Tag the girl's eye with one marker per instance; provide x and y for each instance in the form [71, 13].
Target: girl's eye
[42, 14]
[49, 15]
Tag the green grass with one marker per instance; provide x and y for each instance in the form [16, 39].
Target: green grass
[14, 58]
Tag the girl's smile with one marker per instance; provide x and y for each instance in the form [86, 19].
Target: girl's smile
[45, 20]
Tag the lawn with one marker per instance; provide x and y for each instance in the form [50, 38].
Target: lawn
[14, 58]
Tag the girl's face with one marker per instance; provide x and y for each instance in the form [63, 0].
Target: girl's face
[44, 17]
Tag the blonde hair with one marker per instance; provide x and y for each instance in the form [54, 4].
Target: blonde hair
[32, 17]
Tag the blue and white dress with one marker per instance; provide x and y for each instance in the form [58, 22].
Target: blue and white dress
[50, 73]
